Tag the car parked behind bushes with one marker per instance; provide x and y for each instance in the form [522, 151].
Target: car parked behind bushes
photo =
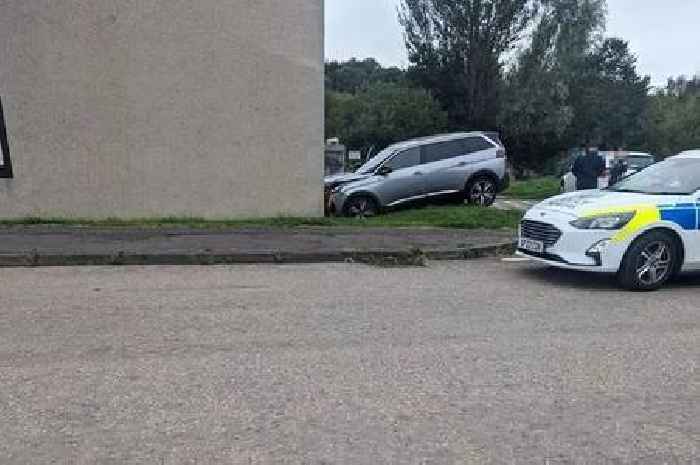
[636, 161]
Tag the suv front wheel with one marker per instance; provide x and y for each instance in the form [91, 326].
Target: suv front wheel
[361, 206]
[481, 191]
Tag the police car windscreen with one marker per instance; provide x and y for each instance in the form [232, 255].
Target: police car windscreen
[670, 177]
[639, 162]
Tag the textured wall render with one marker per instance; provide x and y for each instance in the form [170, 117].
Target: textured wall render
[162, 107]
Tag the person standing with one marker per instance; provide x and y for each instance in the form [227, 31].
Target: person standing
[587, 169]
[618, 171]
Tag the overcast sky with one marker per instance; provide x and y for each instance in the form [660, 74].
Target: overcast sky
[664, 35]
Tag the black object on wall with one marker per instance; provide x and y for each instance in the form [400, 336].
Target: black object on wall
[5, 160]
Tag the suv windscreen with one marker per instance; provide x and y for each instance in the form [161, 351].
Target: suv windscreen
[672, 177]
[637, 162]
[405, 159]
[371, 165]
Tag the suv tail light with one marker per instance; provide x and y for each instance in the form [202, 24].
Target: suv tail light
[501, 153]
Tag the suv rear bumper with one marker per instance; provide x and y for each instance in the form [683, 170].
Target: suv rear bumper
[504, 183]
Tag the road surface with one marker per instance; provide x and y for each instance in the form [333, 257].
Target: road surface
[482, 362]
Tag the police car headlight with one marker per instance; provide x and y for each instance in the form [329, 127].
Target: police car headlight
[609, 222]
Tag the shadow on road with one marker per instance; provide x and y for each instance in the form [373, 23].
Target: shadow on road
[595, 281]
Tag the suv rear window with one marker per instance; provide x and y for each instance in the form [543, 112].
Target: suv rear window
[476, 144]
[444, 150]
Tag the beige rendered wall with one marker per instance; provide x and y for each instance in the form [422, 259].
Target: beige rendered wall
[137, 108]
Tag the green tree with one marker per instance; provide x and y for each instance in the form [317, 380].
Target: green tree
[355, 75]
[547, 88]
[382, 114]
[571, 86]
[456, 49]
[619, 95]
[674, 118]
[683, 86]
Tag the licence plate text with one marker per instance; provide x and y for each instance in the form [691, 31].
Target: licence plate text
[531, 245]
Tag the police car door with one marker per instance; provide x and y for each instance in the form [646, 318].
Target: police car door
[689, 207]
[693, 237]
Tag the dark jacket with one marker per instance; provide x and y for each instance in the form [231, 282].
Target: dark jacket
[587, 168]
[617, 172]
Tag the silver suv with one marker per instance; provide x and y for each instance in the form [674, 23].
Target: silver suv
[462, 166]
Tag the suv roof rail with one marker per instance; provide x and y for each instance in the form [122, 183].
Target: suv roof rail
[451, 135]
[494, 136]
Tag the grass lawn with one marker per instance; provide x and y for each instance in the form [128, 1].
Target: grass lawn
[439, 217]
[534, 189]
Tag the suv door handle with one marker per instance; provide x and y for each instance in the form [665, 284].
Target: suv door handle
[461, 163]
[418, 173]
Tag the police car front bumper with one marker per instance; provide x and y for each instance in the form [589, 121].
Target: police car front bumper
[565, 246]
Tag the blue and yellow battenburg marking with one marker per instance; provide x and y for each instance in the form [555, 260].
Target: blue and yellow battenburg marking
[685, 215]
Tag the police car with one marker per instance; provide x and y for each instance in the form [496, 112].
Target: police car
[646, 228]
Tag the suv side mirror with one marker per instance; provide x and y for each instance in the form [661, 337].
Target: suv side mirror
[384, 170]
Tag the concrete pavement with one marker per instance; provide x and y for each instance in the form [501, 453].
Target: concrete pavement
[41, 245]
[508, 203]
[480, 362]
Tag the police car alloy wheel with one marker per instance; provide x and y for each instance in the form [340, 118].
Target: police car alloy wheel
[650, 262]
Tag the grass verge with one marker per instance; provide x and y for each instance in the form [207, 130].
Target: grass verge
[534, 189]
[463, 217]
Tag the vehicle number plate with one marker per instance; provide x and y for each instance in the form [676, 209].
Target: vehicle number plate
[531, 246]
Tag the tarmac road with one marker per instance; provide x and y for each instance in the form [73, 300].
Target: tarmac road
[482, 362]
